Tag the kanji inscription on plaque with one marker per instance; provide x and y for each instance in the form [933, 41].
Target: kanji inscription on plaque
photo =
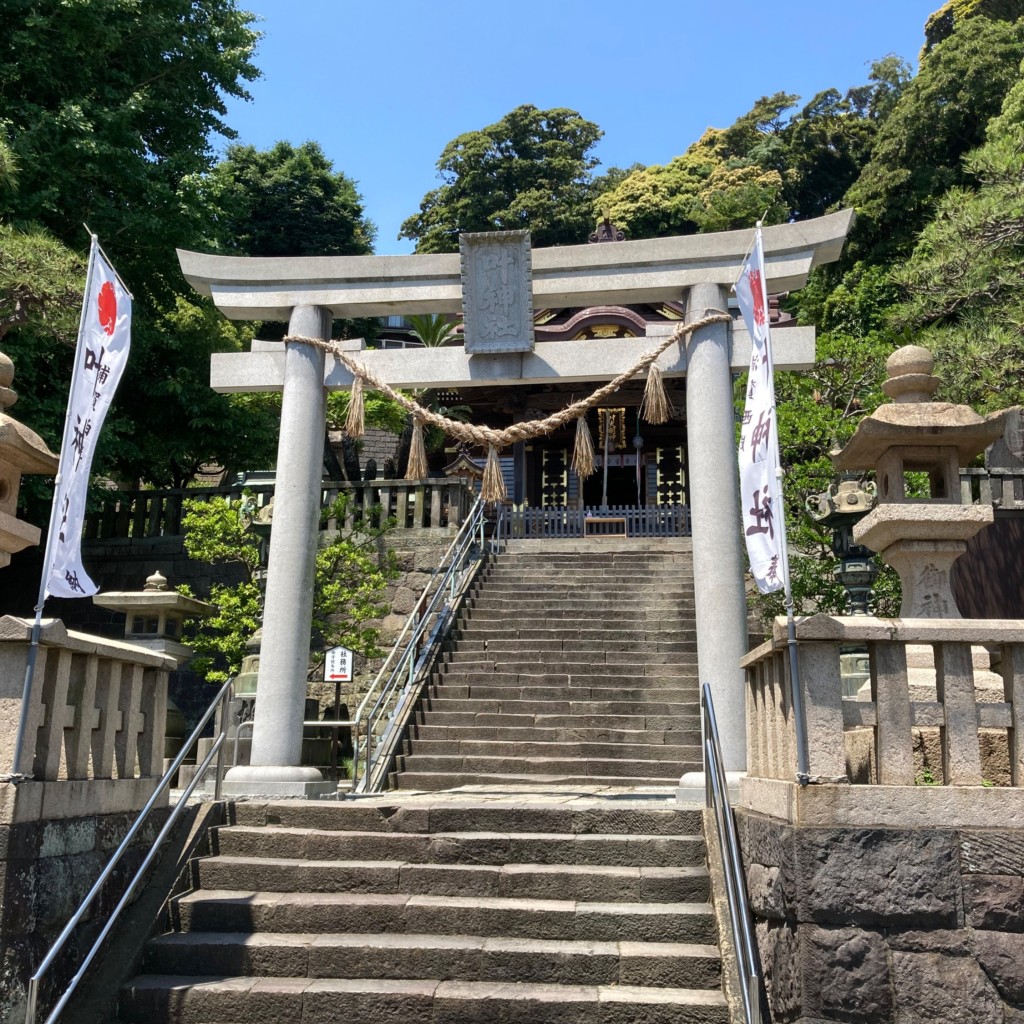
[497, 292]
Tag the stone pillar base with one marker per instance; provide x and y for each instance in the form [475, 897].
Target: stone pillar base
[278, 782]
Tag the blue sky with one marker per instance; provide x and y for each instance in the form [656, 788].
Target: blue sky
[383, 85]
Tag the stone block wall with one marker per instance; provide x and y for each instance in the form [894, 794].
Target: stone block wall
[46, 868]
[417, 553]
[887, 925]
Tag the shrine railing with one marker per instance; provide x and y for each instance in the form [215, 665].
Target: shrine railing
[992, 487]
[98, 713]
[411, 503]
[602, 521]
[891, 716]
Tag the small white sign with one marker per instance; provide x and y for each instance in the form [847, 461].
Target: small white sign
[338, 665]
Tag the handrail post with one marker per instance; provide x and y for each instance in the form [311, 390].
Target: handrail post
[218, 780]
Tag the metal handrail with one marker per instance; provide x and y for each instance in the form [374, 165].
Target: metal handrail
[716, 790]
[217, 750]
[394, 686]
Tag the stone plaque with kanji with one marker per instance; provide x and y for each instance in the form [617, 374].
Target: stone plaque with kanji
[497, 292]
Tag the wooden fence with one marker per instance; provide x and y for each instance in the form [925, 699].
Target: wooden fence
[613, 521]
[412, 503]
[1003, 490]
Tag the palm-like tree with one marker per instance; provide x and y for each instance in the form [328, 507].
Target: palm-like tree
[433, 329]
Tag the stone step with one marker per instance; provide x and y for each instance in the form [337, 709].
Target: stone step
[609, 588]
[450, 689]
[474, 847]
[642, 722]
[576, 749]
[588, 649]
[574, 662]
[514, 734]
[437, 782]
[586, 630]
[591, 883]
[570, 614]
[454, 673]
[467, 957]
[512, 706]
[332, 912]
[205, 1000]
[549, 767]
[461, 815]
[583, 603]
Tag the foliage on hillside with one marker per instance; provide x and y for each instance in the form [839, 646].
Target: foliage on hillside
[350, 577]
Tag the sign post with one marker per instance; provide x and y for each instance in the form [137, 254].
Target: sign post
[337, 670]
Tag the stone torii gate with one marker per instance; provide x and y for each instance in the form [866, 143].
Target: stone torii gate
[308, 292]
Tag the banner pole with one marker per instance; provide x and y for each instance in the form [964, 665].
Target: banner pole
[800, 728]
[16, 775]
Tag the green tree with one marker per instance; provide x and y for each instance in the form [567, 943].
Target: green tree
[963, 285]
[529, 170]
[286, 201]
[769, 164]
[348, 588]
[950, 15]
[941, 115]
[109, 106]
[433, 331]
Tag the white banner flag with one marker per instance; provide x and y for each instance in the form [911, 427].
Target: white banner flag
[104, 337]
[760, 492]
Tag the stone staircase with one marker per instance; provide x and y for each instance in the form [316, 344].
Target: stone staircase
[562, 885]
[541, 910]
[573, 667]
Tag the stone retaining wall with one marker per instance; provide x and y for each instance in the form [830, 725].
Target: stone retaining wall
[46, 868]
[887, 925]
[417, 553]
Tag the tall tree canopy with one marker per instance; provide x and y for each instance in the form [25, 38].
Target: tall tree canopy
[286, 201]
[109, 107]
[941, 116]
[767, 165]
[530, 170]
[964, 282]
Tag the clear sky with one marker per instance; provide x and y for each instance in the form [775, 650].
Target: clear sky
[383, 85]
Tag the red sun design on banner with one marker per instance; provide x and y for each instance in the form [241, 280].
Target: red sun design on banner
[757, 295]
[107, 307]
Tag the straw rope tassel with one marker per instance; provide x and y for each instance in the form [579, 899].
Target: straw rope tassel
[355, 421]
[492, 487]
[468, 433]
[417, 468]
[583, 451]
[656, 407]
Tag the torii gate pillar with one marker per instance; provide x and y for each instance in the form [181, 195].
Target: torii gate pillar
[274, 767]
[719, 599]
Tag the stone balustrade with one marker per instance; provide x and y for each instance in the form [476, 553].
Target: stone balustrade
[95, 736]
[891, 715]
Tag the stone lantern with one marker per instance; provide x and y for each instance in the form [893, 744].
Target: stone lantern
[21, 451]
[154, 616]
[839, 509]
[920, 537]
